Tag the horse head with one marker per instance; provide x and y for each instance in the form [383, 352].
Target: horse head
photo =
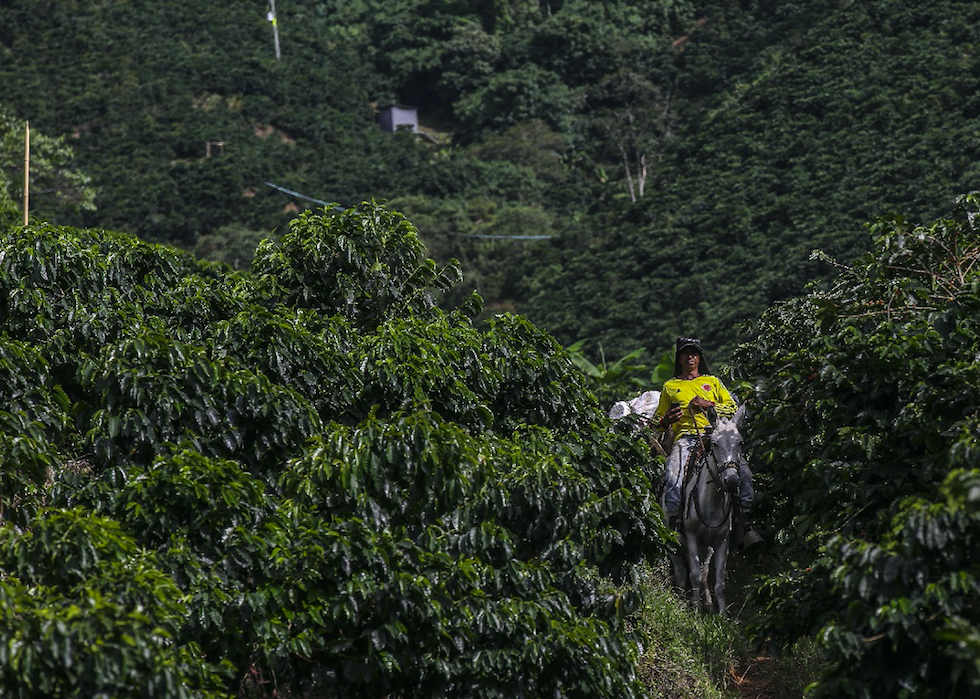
[726, 448]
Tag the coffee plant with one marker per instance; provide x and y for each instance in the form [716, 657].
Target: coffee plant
[868, 414]
[306, 480]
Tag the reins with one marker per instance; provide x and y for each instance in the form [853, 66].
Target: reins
[726, 497]
[700, 456]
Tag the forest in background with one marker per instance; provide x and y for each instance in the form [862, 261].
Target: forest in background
[685, 157]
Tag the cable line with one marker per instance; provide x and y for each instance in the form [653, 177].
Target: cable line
[469, 235]
[509, 237]
[303, 196]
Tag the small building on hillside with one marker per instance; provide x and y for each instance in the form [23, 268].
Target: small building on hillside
[395, 116]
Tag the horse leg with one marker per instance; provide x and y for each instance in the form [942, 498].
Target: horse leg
[706, 560]
[678, 570]
[718, 564]
[694, 569]
[678, 561]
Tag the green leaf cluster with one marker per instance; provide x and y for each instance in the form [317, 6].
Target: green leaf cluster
[86, 612]
[866, 429]
[309, 479]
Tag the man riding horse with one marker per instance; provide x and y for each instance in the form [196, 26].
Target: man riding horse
[684, 401]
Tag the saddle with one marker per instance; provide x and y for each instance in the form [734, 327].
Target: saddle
[698, 453]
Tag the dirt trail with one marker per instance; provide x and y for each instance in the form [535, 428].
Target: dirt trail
[752, 680]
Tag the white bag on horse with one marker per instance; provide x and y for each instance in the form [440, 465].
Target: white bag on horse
[644, 405]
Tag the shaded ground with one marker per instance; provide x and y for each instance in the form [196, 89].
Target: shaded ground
[753, 680]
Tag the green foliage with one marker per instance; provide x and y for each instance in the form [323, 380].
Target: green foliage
[867, 431]
[459, 541]
[684, 158]
[33, 421]
[611, 382]
[517, 96]
[311, 482]
[211, 525]
[788, 127]
[231, 245]
[151, 391]
[86, 613]
[623, 378]
[52, 178]
[298, 349]
[366, 265]
[914, 589]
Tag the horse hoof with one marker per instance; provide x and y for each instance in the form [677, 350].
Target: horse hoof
[751, 539]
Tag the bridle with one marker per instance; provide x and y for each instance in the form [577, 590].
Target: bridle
[705, 452]
[715, 479]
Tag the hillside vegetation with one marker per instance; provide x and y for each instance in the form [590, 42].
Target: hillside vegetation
[685, 157]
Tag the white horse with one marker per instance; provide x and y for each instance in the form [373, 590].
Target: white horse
[708, 499]
[706, 512]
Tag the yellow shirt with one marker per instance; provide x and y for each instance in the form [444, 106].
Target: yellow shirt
[683, 391]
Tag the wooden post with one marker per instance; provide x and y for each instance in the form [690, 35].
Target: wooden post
[27, 169]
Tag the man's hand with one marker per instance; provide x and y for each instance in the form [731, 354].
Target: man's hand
[671, 416]
[700, 403]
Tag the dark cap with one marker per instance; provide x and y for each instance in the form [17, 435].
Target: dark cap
[684, 342]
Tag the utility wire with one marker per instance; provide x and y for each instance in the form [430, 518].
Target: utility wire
[509, 237]
[303, 196]
[470, 235]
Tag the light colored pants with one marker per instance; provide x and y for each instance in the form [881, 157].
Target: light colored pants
[674, 477]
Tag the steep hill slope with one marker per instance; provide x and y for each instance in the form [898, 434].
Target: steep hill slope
[801, 125]
[144, 87]
[684, 158]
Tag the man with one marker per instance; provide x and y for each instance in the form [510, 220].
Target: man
[683, 402]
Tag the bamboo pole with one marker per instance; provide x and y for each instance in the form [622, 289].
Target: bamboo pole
[27, 169]
[275, 26]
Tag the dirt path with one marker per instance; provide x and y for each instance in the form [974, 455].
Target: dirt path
[752, 680]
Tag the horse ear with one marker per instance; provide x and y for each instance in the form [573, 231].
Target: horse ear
[739, 417]
[712, 415]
